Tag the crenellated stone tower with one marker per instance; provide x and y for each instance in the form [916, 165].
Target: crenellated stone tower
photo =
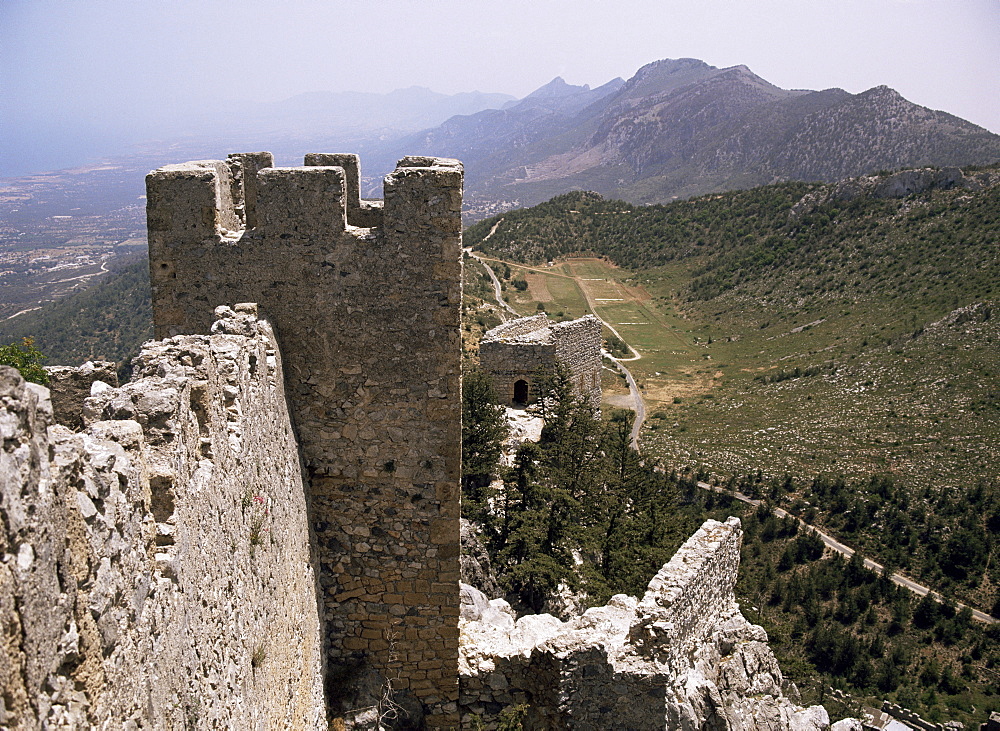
[365, 301]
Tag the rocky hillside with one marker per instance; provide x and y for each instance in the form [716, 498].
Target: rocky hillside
[682, 127]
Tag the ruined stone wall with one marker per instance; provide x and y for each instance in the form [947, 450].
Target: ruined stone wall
[368, 319]
[159, 560]
[514, 330]
[682, 657]
[362, 213]
[507, 363]
[690, 594]
[913, 719]
[523, 349]
[70, 386]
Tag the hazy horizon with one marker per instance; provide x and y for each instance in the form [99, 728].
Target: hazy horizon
[98, 76]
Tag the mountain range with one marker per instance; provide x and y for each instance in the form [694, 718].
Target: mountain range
[676, 129]
[681, 127]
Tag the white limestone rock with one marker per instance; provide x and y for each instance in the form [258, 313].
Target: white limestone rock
[682, 657]
[473, 602]
[813, 718]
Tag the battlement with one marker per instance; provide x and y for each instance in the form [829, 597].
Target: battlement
[365, 302]
[203, 200]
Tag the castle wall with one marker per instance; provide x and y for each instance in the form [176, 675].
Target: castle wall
[362, 213]
[578, 348]
[514, 330]
[690, 594]
[159, 561]
[69, 387]
[508, 363]
[369, 321]
[624, 665]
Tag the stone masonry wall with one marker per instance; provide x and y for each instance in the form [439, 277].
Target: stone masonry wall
[691, 594]
[522, 349]
[368, 321]
[507, 363]
[578, 347]
[159, 560]
[515, 330]
[683, 657]
[69, 387]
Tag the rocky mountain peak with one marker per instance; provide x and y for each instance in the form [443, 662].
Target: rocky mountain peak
[681, 127]
[555, 88]
[671, 66]
[882, 93]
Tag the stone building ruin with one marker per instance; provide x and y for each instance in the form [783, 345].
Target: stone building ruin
[681, 657]
[517, 353]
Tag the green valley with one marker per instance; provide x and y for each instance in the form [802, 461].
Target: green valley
[786, 332]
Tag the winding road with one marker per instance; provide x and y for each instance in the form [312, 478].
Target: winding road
[497, 289]
[845, 550]
[640, 405]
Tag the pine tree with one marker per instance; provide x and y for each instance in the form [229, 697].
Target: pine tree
[484, 428]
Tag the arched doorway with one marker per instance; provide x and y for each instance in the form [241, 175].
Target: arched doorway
[520, 392]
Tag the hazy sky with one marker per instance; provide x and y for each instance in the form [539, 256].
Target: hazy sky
[93, 64]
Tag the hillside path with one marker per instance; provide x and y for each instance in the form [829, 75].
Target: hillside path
[640, 406]
[497, 290]
[841, 548]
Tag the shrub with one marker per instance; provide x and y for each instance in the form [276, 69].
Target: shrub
[27, 359]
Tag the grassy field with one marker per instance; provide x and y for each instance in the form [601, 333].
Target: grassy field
[672, 362]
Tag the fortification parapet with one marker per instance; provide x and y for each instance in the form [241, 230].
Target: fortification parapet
[298, 203]
[243, 169]
[192, 200]
[368, 320]
[361, 213]
[69, 387]
[520, 330]
[690, 594]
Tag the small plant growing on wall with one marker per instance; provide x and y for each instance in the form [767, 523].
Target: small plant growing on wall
[260, 511]
[258, 656]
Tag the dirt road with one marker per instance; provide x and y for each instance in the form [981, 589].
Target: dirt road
[835, 545]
